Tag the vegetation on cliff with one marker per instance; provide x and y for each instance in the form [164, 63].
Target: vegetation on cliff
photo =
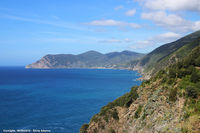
[167, 102]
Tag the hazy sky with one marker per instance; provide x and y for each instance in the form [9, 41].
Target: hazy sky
[30, 29]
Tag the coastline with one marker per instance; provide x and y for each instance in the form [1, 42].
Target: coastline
[140, 73]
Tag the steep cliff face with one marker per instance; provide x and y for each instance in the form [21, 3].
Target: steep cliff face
[90, 59]
[167, 102]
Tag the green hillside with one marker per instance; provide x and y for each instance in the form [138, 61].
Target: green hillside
[168, 102]
[168, 54]
[90, 59]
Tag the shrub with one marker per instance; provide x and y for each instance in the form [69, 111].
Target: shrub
[197, 61]
[172, 73]
[84, 128]
[181, 73]
[114, 114]
[172, 94]
[170, 81]
[195, 77]
[94, 118]
[111, 131]
[104, 110]
[134, 93]
[186, 115]
[179, 65]
[160, 74]
[105, 118]
[138, 111]
[164, 79]
[124, 100]
[192, 92]
[184, 130]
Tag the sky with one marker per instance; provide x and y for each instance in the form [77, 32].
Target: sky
[30, 29]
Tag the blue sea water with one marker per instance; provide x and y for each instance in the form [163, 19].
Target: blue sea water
[60, 100]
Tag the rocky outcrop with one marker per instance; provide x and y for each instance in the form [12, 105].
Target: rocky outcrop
[157, 115]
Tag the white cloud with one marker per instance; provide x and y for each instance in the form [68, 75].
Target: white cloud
[169, 35]
[110, 41]
[173, 5]
[108, 22]
[162, 18]
[111, 22]
[155, 40]
[130, 12]
[165, 37]
[114, 40]
[119, 7]
[172, 22]
[141, 45]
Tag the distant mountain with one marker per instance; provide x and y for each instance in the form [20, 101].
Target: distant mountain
[90, 59]
[166, 55]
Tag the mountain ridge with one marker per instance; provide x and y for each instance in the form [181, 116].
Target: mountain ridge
[164, 55]
[89, 59]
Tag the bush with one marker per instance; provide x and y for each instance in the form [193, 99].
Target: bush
[106, 118]
[104, 110]
[172, 73]
[160, 74]
[195, 77]
[138, 111]
[84, 128]
[190, 70]
[170, 81]
[94, 118]
[134, 93]
[111, 131]
[172, 94]
[114, 114]
[126, 99]
[179, 65]
[197, 61]
[192, 92]
[181, 73]
[186, 115]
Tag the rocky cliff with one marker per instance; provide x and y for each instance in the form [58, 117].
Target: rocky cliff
[168, 102]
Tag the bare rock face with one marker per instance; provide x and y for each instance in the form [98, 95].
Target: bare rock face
[43, 63]
[90, 59]
[152, 112]
[157, 114]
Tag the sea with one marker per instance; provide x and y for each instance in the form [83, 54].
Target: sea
[57, 100]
